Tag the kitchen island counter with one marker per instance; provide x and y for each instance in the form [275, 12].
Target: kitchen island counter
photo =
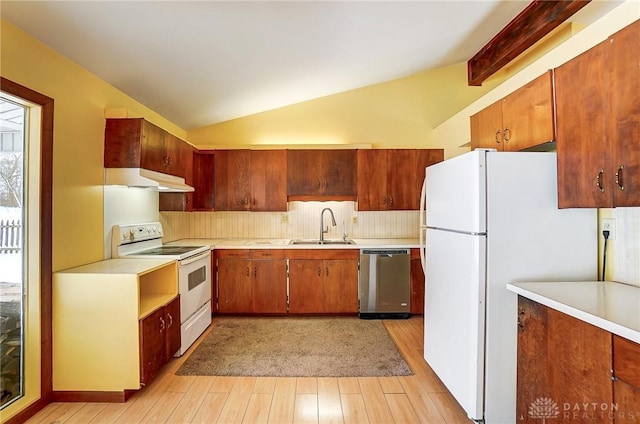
[612, 306]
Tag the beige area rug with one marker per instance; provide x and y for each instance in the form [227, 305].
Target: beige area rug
[297, 347]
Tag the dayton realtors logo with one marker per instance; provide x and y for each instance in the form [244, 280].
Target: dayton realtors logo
[544, 408]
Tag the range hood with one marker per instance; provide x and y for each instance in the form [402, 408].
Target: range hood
[139, 177]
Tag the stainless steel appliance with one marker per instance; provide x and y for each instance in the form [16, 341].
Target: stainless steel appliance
[492, 218]
[385, 283]
[194, 273]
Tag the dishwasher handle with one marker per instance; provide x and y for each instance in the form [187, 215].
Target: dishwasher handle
[387, 253]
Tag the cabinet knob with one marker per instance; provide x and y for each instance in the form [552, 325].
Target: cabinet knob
[619, 182]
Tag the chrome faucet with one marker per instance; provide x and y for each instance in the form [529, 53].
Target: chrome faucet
[333, 222]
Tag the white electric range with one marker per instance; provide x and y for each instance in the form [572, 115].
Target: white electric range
[194, 273]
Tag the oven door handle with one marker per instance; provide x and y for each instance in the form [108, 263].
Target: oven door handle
[194, 258]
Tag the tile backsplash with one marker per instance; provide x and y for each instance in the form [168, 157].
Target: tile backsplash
[302, 220]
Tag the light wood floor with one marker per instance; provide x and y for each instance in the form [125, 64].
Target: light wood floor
[420, 398]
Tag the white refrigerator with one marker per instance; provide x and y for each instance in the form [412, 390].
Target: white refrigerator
[489, 218]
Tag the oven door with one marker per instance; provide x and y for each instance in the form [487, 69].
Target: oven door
[194, 284]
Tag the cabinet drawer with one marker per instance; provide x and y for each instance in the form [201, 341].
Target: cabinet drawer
[323, 253]
[268, 254]
[233, 253]
[626, 360]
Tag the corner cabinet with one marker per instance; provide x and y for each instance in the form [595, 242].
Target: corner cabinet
[523, 119]
[116, 323]
[321, 174]
[391, 179]
[598, 124]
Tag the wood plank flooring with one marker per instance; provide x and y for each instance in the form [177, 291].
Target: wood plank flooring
[420, 398]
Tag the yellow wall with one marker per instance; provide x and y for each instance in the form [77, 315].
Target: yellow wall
[398, 113]
[80, 102]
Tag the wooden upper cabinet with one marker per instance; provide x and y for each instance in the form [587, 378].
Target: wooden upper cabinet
[321, 173]
[598, 119]
[250, 180]
[203, 181]
[624, 60]
[137, 143]
[268, 180]
[521, 120]
[392, 179]
[232, 180]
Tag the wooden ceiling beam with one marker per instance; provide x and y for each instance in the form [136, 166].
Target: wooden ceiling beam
[538, 19]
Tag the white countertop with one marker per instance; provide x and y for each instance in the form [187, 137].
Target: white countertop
[283, 243]
[612, 306]
[120, 266]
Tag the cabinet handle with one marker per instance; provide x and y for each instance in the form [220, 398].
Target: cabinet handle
[255, 271]
[161, 324]
[599, 180]
[390, 200]
[170, 320]
[619, 182]
[520, 319]
[505, 136]
[327, 271]
[319, 184]
[496, 136]
[384, 200]
[248, 271]
[326, 184]
[319, 271]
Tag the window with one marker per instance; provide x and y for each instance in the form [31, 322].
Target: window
[12, 250]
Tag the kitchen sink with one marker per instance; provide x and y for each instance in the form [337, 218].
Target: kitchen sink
[308, 241]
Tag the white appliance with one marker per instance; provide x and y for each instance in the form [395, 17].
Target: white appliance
[194, 273]
[492, 218]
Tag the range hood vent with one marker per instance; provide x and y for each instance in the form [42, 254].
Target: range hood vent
[139, 177]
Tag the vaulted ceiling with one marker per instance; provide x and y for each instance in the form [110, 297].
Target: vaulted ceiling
[203, 62]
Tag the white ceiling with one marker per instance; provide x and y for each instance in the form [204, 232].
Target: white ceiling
[202, 62]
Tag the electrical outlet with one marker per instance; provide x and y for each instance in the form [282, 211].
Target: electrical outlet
[284, 217]
[609, 224]
[354, 219]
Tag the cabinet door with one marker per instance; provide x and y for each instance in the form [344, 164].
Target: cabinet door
[306, 289]
[372, 179]
[123, 143]
[625, 115]
[154, 148]
[234, 285]
[527, 115]
[417, 284]
[269, 289]
[203, 181]
[562, 359]
[232, 180]
[304, 172]
[582, 115]
[172, 322]
[339, 173]
[152, 345]
[340, 286]
[486, 127]
[268, 180]
[403, 191]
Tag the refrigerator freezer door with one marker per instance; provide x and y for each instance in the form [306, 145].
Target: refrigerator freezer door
[455, 193]
[454, 314]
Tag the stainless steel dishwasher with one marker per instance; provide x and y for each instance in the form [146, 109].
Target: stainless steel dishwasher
[384, 283]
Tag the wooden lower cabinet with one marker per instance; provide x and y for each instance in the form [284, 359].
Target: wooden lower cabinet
[159, 339]
[255, 284]
[565, 370]
[417, 284]
[323, 281]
